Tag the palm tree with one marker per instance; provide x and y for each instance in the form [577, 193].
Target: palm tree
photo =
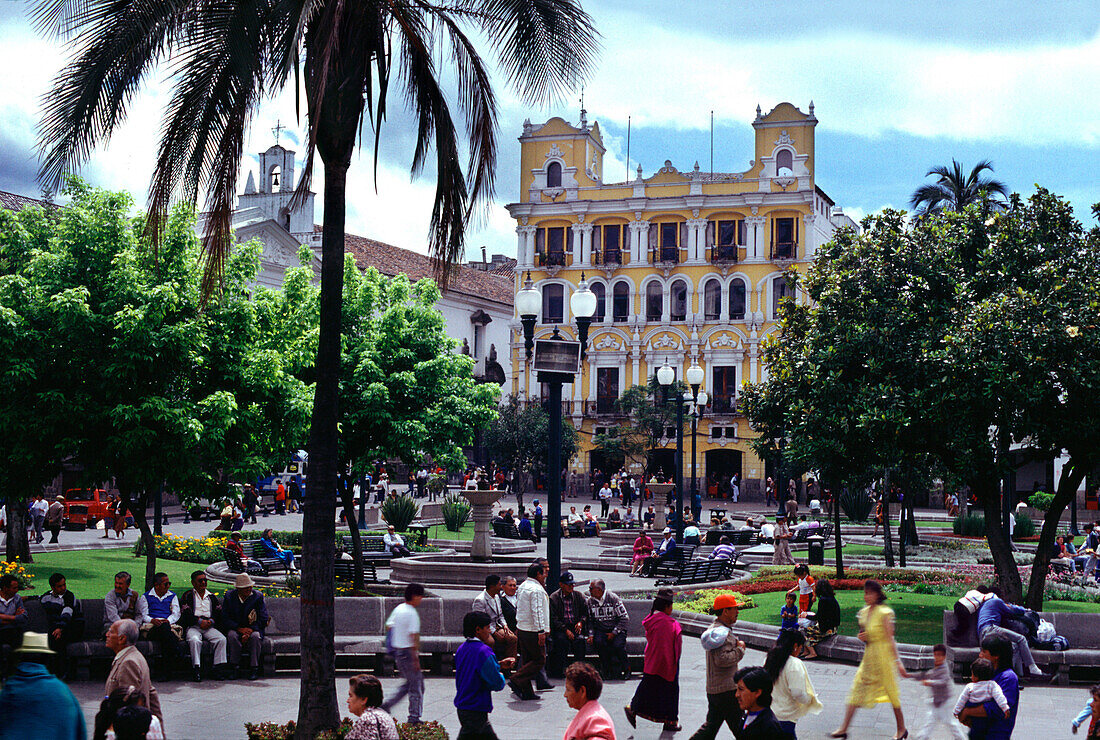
[224, 59]
[954, 191]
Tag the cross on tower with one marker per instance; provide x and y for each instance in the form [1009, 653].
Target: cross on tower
[279, 127]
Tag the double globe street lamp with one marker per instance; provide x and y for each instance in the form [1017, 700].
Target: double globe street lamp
[582, 304]
[696, 400]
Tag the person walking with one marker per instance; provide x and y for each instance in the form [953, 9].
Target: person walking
[129, 667]
[251, 501]
[280, 498]
[55, 512]
[754, 696]
[538, 521]
[875, 680]
[403, 640]
[657, 698]
[781, 554]
[364, 701]
[605, 499]
[940, 714]
[769, 492]
[793, 695]
[583, 687]
[477, 676]
[34, 702]
[988, 721]
[294, 496]
[532, 628]
[724, 653]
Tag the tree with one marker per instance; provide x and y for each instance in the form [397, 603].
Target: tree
[954, 190]
[520, 437]
[225, 61]
[37, 409]
[648, 418]
[404, 391]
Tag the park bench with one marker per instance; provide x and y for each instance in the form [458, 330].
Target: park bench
[1080, 663]
[373, 548]
[236, 565]
[255, 550]
[344, 570]
[506, 530]
[701, 571]
[671, 567]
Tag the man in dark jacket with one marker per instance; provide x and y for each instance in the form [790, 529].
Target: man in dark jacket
[200, 612]
[608, 622]
[754, 695]
[568, 625]
[66, 620]
[244, 615]
[508, 601]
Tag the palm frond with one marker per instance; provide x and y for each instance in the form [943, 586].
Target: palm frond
[545, 47]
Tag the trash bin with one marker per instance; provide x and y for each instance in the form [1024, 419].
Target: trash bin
[816, 549]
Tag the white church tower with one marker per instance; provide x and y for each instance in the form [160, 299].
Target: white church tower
[265, 213]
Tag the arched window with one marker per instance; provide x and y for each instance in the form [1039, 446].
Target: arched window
[780, 289]
[679, 308]
[620, 301]
[784, 160]
[654, 301]
[553, 304]
[553, 175]
[737, 300]
[601, 301]
[712, 300]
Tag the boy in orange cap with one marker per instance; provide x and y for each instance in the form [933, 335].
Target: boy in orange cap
[724, 652]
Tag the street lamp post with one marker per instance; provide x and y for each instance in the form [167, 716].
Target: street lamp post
[665, 376]
[696, 413]
[582, 304]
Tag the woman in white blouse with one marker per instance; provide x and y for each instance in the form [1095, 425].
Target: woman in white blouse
[793, 695]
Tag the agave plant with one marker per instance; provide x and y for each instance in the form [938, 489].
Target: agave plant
[456, 512]
[856, 505]
[400, 511]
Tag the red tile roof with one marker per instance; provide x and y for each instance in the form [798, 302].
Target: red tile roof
[391, 260]
[15, 202]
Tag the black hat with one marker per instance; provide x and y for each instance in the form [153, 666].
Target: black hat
[566, 577]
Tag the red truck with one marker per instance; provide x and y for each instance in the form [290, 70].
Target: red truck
[84, 507]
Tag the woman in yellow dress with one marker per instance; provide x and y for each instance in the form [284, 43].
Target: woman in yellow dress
[875, 681]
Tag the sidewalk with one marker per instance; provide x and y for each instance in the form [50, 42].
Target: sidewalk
[219, 710]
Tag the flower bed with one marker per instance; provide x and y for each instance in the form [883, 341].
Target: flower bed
[273, 731]
[16, 569]
[190, 549]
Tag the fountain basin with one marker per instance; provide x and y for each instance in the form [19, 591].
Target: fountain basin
[454, 570]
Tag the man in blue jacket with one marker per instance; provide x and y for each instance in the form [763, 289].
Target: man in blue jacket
[477, 676]
[991, 616]
[35, 703]
[987, 720]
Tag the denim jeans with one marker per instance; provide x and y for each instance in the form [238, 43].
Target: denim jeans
[408, 665]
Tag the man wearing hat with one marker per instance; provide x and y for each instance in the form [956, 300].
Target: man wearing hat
[244, 615]
[568, 625]
[724, 652]
[781, 554]
[54, 514]
[34, 702]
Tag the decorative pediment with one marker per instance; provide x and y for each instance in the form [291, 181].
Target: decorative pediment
[784, 138]
[555, 151]
[724, 341]
[665, 341]
[607, 341]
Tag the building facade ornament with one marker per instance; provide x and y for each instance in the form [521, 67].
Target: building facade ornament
[554, 151]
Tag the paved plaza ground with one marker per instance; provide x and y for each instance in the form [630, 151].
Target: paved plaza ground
[219, 710]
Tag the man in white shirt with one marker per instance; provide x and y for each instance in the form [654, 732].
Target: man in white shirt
[403, 640]
[605, 499]
[395, 543]
[735, 488]
[767, 531]
[200, 611]
[38, 516]
[532, 627]
[488, 603]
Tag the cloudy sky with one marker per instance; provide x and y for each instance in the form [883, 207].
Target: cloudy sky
[898, 88]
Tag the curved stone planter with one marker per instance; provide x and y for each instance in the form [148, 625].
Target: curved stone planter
[220, 572]
[453, 570]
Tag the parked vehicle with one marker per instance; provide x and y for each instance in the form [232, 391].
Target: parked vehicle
[84, 507]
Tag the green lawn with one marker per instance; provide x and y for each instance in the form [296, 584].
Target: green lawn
[919, 616]
[938, 525]
[90, 574]
[855, 550]
[440, 532]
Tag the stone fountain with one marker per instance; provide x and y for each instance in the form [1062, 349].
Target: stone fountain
[481, 549]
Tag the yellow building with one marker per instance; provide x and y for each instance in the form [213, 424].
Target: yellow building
[687, 266]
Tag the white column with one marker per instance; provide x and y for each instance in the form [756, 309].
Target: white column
[521, 246]
[697, 240]
[586, 243]
[809, 238]
[666, 305]
[576, 245]
[757, 247]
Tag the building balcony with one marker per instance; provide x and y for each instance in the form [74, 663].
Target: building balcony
[665, 255]
[553, 259]
[604, 406]
[608, 257]
[724, 253]
[723, 405]
[784, 251]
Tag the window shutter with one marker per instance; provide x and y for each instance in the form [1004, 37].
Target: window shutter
[597, 234]
[654, 235]
[540, 241]
[683, 235]
[712, 229]
[568, 246]
[628, 238]
[741, 232]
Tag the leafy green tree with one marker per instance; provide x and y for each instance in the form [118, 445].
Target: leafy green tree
[226, 61]
[648, 418]
[404, 391]
[954, 190]
[519, 438]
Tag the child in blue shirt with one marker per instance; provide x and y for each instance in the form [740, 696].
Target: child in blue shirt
[789, 614]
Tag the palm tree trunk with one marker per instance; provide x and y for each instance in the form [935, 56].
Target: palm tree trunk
[318, 708]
